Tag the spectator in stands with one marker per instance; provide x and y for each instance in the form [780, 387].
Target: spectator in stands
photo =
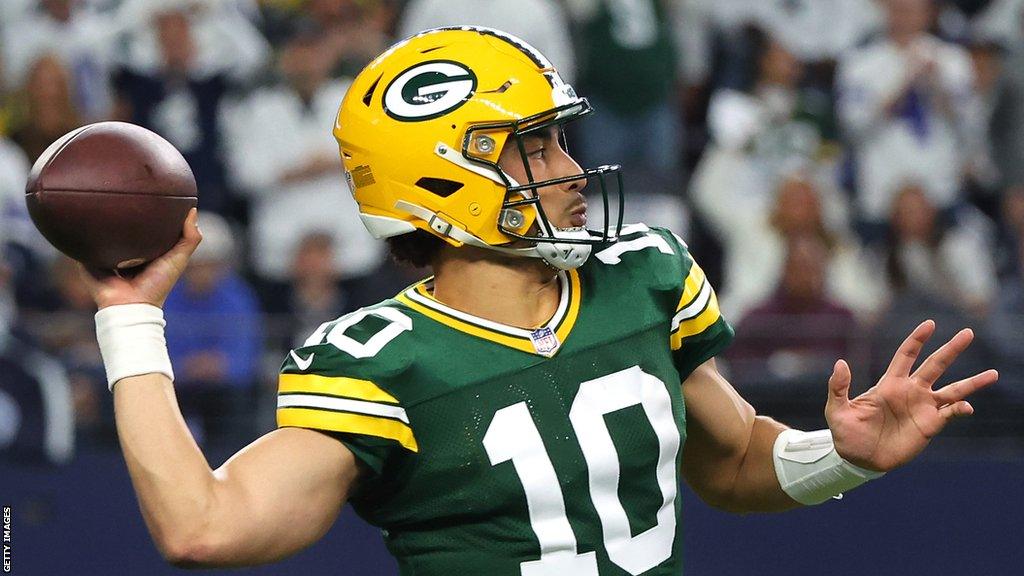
[712, 35]
[982, 173]
[14, 168]
[910, 110]
[36, 418]
[315, 292]
[541, 23]
[222, 35]
[1003, 332]
[20, 233]
[355, 31]
[774, 125]
[1006, 127]
[797, 333]
[47, 111]
[61, 320]
[283, 158]
[1010, 255]
[180, 101]
[819, 31]
[755, 241]
[49, 107]
[946, 259]
[82, 37]
[629, 67]
[215, 338]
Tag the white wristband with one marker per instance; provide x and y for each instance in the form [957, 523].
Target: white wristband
[131, 338]
[811, 471]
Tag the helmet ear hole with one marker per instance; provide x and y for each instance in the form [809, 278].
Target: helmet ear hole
[439, 186]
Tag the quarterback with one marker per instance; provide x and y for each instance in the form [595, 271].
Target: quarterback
[532, 407]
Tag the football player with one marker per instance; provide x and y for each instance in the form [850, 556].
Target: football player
[532, 407]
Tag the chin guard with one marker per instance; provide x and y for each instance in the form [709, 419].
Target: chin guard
[563, 255]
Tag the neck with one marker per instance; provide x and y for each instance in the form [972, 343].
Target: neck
[521, 292]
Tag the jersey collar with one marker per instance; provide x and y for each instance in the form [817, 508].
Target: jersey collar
[544, 341]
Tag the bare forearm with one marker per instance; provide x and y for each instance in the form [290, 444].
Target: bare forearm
[737, 477]
[171, 477]
[756, 488]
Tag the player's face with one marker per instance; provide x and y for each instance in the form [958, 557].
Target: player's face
[563, 204]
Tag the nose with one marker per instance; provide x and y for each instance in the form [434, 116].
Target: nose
[570, 167]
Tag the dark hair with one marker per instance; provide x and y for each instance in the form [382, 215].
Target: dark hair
[418, 249]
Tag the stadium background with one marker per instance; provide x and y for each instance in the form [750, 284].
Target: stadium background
[841, 168]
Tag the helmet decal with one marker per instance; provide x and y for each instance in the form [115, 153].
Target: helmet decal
[429, 90]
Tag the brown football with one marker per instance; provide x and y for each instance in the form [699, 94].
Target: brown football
[111, 195]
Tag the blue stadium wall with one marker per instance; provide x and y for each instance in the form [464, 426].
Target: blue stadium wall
[930, 518]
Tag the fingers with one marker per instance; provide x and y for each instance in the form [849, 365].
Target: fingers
[962, 389]
[839, 386]
[961, 408]
[907, 353]
[935, 365]
[190, 233]
[190, 238]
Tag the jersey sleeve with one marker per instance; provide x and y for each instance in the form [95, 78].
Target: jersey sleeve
[698, 331]
[314, 392]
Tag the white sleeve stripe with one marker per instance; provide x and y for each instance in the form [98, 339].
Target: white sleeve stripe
[694, 308]
[633, 229]
[343, 404]
[611, 255]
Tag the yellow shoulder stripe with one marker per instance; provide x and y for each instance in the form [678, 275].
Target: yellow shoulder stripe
[335, 386]
[350, 423]
[691, 288]
[697, 324]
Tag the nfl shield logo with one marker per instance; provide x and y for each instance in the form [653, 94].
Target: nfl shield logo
[544, 341]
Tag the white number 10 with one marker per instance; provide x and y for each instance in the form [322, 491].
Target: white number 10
[512, 435]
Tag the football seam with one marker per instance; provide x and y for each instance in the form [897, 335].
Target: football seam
[57, 152]
[114, 192]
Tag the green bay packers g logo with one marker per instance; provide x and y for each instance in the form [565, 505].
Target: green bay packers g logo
[429, 90]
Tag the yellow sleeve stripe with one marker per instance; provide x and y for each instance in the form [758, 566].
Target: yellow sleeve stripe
[335, 386]
[350, 423]
[691, 287]
[697, 324]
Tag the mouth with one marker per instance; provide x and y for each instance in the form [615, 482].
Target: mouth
[578, 214]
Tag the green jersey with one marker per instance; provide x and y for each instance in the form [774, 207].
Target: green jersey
[490, 449]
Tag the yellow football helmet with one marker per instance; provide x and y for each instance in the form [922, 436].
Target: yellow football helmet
[421, 129]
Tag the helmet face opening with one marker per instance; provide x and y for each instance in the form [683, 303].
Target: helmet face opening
[524, 195]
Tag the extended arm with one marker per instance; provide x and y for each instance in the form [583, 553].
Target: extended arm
[727, 458]
[272, 499]
[732, 461]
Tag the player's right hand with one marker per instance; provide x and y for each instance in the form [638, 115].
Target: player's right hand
[151, 283]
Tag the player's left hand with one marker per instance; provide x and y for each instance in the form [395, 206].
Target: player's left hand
[891, 423]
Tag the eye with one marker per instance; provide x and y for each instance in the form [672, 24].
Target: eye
[538, 154]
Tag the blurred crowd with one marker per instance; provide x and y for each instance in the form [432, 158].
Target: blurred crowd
[841, 168]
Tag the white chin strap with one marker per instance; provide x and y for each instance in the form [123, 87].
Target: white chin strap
[560, 255]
